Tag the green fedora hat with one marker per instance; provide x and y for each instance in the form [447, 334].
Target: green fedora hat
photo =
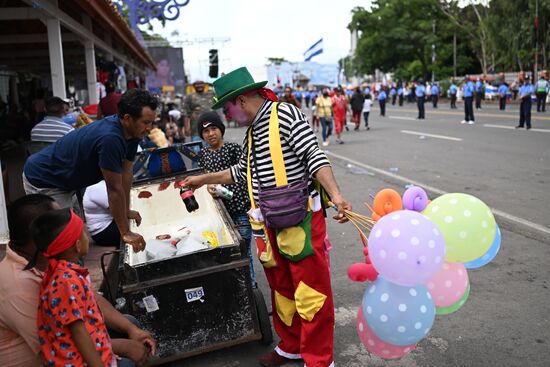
[234, 84]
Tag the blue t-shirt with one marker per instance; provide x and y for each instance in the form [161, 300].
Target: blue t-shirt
[479, 86]
[75, 161]
[435, 90]
[469, 89]
[420, 90]
[503, 89]
[453, 89]
[526, 90]
[393, 92]
[382, 96]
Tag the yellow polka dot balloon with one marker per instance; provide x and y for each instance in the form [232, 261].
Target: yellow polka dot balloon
[466, 223]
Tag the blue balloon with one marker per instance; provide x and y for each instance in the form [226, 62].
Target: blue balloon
[399, 315]
[488, 256]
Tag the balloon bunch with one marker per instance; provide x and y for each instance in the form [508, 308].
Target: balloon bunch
[416, 260]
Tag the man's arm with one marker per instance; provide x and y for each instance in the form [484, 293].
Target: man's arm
[127, 179]
[326, 178]
[221, 177]
[119, 208]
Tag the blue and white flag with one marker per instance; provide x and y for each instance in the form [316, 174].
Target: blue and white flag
[314, 50]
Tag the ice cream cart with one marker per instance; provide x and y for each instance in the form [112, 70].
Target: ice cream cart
[191, 286]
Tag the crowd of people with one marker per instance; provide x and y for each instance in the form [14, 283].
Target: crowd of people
[329, 106]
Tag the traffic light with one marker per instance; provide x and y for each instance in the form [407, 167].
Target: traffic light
[213, 70]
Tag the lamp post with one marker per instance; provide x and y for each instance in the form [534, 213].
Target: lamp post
[433, 53]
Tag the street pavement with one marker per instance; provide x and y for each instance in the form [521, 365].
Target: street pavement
[505, 321]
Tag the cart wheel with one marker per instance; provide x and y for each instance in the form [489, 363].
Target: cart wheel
[263, 317]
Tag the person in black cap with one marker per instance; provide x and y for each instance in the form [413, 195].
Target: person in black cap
[218, 157]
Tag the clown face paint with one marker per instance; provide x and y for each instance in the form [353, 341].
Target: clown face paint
[234, 113]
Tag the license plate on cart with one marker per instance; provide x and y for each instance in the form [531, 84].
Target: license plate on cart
[194, 294]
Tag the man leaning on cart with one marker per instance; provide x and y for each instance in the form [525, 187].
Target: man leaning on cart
[280, 155]
[103, 150]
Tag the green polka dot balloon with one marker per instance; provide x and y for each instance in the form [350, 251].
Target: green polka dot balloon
[466, 223]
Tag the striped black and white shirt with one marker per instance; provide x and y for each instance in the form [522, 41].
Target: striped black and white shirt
[50, 130]
[299, 144]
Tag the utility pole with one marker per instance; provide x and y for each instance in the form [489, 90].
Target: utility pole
[433, 53]
[535, 77]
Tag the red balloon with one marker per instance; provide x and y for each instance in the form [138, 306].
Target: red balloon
[361, 272]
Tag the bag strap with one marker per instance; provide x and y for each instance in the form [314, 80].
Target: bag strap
[275, 148]
[275, 151]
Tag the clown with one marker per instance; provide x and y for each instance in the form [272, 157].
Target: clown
[280, 151]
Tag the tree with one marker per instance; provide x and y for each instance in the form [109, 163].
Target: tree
[473, 20]
[397, 36]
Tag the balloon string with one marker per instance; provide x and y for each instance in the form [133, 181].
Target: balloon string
[360, 222]
[369, 207]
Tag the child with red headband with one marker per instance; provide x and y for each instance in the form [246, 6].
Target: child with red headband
[71, 328]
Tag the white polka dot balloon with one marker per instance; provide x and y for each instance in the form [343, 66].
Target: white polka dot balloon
[449, 285]
[374, 344]
[399, 315]
[406, 248]
[466, 223]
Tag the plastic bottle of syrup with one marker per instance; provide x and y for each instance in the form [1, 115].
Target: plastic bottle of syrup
[188, 199]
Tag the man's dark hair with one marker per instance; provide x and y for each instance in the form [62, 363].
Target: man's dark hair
[133, 101]
[48, 226]
[22, 212]
[54, 106]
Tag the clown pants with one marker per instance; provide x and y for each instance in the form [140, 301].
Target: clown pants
[303, 309]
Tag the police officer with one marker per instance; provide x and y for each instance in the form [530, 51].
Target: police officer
[420, 93]
[435, 95]
[382, 96]
[525, 92]
[453, 89]
[479, 92]
[468, 101]
[502, 92]
[400, 94]
[541, 90]
[393, 94]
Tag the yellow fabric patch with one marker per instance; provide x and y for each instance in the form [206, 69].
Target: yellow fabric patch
[308, 301]
[291, 240]
[266, 257]
[286, 308]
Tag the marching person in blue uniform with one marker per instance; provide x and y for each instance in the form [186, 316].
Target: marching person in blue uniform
[393, 94]
[453, 90]
[435, 95]
[420, 93]
[382, 100]
[541, 90]
[468, 94]
[479, 93]
[400, 94]
[525, 92]
[502, 95]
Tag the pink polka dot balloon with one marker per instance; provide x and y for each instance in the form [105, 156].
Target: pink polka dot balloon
[374, 344]
[406, 248]
[449, 285]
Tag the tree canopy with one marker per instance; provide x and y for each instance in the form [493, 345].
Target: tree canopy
[397, 36]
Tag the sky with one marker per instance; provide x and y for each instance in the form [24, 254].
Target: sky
[259, 29]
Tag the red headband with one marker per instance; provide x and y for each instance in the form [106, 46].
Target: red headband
[67, 238]
[264, 92]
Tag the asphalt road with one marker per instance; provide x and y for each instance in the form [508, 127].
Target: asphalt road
[505, 321]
